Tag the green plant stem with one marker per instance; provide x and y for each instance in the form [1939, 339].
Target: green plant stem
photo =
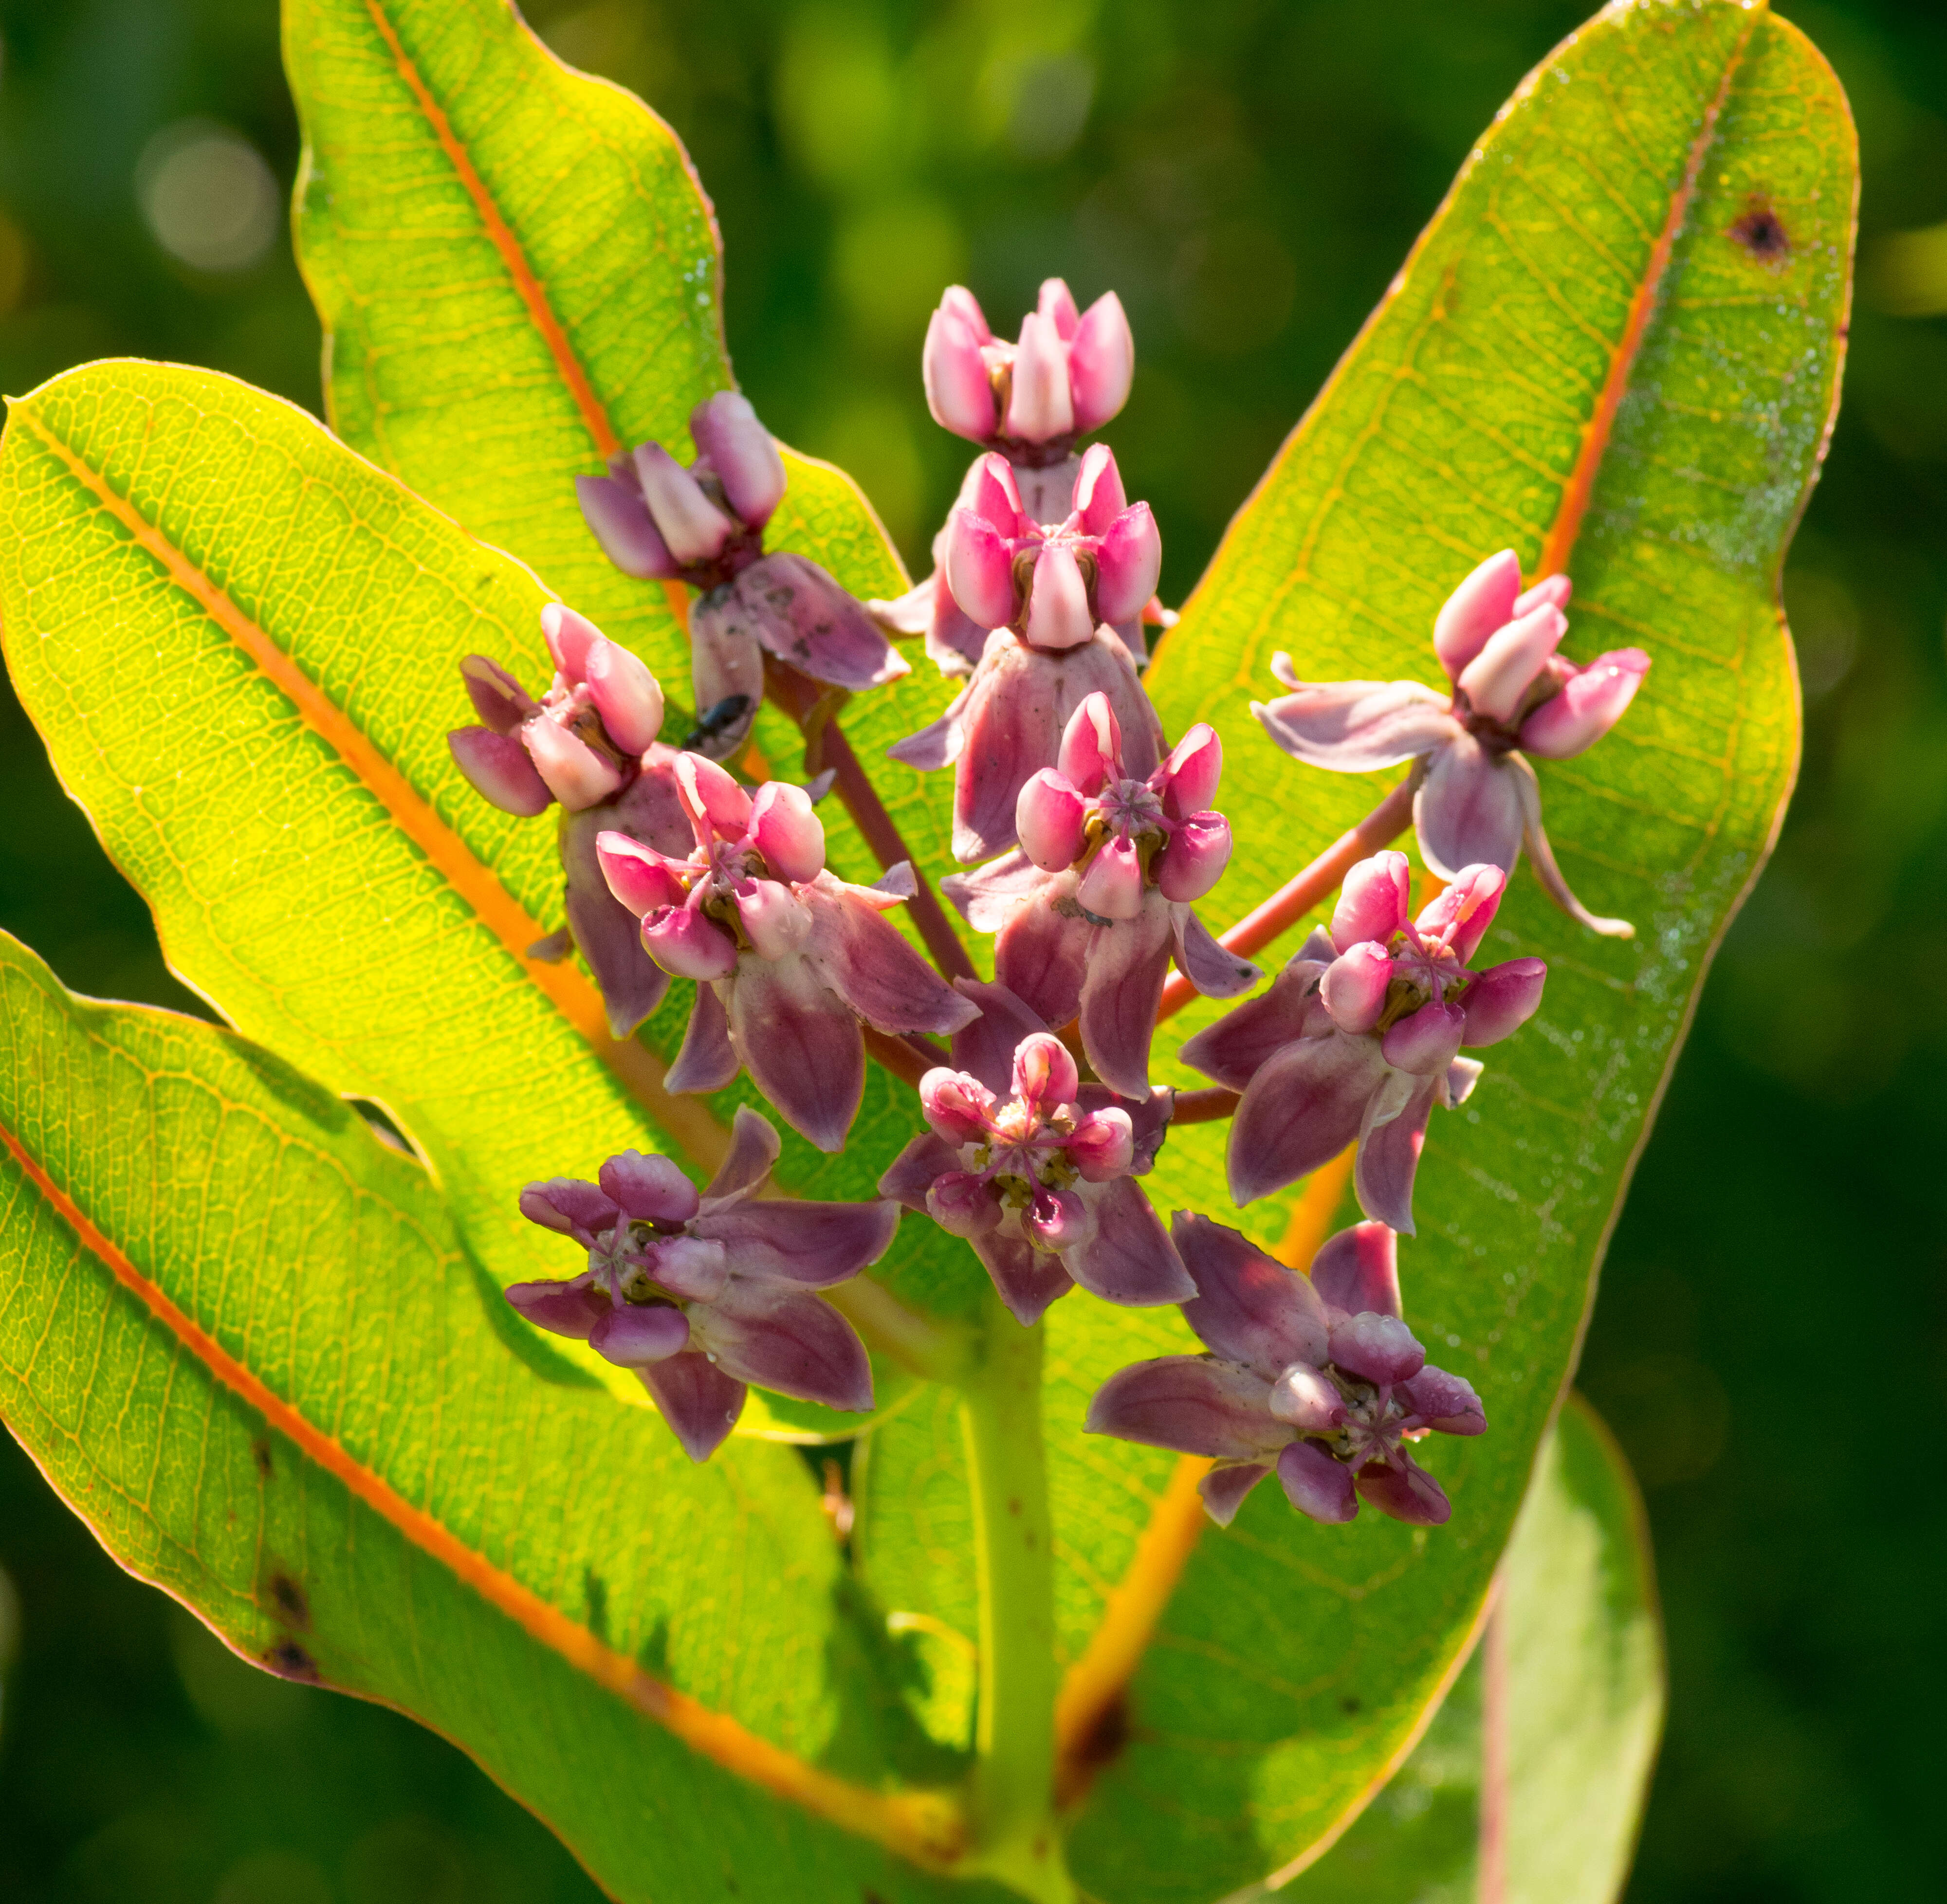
[1015, 1836]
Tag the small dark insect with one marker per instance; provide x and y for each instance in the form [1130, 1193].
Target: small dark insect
[260, 1453]
[290, 1660]
[1762, 232]
[717, 720]
[290, 1598]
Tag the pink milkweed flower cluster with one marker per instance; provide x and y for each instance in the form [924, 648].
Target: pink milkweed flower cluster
[702, 1295]
[589, 743]
[703, 525]
[1036, 1169]
[1511, 694]
[1318, 1379]
[788, 958]
[1068, 374]
[1360, 1036]
[1090, 906]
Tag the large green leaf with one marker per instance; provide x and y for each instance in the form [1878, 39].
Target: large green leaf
[246, 1339]
[1570, 1678]
[1617, 347]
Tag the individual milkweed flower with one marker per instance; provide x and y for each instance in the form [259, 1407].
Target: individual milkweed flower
[1068, 374]
[1477, 798]
[787, 958]
[701, 1296]
[1320, 1379]
[1091, 905]
[1360, 1036]
[703, 525]
[590, 742]
[1036, 1169]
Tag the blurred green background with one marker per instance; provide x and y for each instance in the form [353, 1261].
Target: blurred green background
[1248, 174]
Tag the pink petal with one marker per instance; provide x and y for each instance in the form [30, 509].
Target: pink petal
[1225, 1487]
[1121, 993]
[774, 920]
[1130, 1258]
[1112, 888]
[1553, 589]
[1592, 701]
[1357, 726]
[1546, 871]
[1485, 601]
[1043, 954]
[1301, 1109]
[992, 492]
[1498, 680]
[1316, 1485]
[621, 521]
[1445, 1402]
[1059, 1223]
[1377, 1349]
[1047, 819]
[802, 616]
[1103, 1146]
[1039, 407]
[626, 696]
[1308, 1401]
[1193, 1404]
[1374, 902]
[1247, 1308]
[718, 808]
[693, 526]
[499, 769]
[1231, 1051]
[1389, 1143]
[1044, 1073]
[1128, 563]
[786, 1340]
[860, 955]
[1026, 1281]
[707, 1061]
[1460, 917]
[687, 943]
[1193, 858]
[801, 1046]
[984, 1048]
[1187, 780]
[1358, 1270]
[1468, 810]
[1101, 362]
[1098, 497]
[959, 391]
[1426, 1041]
[644, 1185]
[698, 1401]
[754, 1149]
[814, 1244]
[1355, 985]
[1502, 999]
[570, 638]
[1091, 745]
[959, 1108]
[1458, 1085]
[1408, 1493]
[957, 301]
[1214, 972]
[570, 1309]
[911, 1175]
[725, 429]
[1058, 614]
[935, 745]
[634, 1335]
[638, 877]
[1057, 304]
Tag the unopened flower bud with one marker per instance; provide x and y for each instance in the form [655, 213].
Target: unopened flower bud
[1191, 774]
[959, 386]
[621, 523]
[1112, 888]
[979, 571]
[787, 830]
[725, 429]
[1104, 1147]
[1101, 362]
[626, 696]
[954, 1105]
[1496, 679]
[1045, 1073]
[1039, 406]
[637, 876]
[962, 1204]
[1425, 1041]
[1373, 902]
[1057, 606]
[576, 775]
[1501, 1000]
[1193, 859]
[1128, 563]
[1484, 601]
[1355, 986]
[693, 526]
[500, 770]
[689, 945]
[1591, 702]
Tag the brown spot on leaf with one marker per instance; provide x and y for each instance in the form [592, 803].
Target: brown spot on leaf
[1348, 1704]
[1761, 232]
[260, 1453]
[289, 1660]
[291, 1605]
[1105, 1738]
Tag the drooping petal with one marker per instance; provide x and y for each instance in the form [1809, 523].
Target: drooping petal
[1026, 1280]
[984, 1047]
[801, 615]
[813, 1244]
[754, 1149]
[1121, 993]
[1460, 917]
[569, 1309]
[694, 528]
[501, 770]
[1304, 1105]
[1225, 1487]
[634, 1335]
[1042, 952]
[1316, 1485]
[859, 955]
[1484, 601]
[1498, 680]
[1231, 1051]
[1247, 1308]
[1357, 1270]
[1357, 726]
[1375, 901]
[707, 1061]
[1215, 971]
[1377, 1349]
[1502, 999]
[621, 521]
[1468, 810]
[1010, 730]
[631, 983]
[988, 895]
[1101, 362]
[1355, 986]
[1194, 1403]
[1408, 1493]
[725, 429]
[1446, 1402]
[1592, 701]
[726, 668]
[643, 1185]
[911, 1174]
[938, 743]
[1528, 791]
[1389, 1144]
[1130, 1258]
[570, 1207]
[800, 1045]
[1458, 1085]
[698, 1401]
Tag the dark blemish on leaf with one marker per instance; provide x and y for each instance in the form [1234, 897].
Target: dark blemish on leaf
[1104, 1740]
[870, 1897]
[596, 1589]
[1014, 1506]
[1762, 232]
[1348, 1704]
[289, 1660]
[291, 1604]
[260, 1454]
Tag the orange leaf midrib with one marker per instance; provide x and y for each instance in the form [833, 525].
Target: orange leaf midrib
[923, 1827]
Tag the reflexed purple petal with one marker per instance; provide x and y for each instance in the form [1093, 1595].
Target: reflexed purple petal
[859, 955]
[1042, 951]
[1374, 902]
[798, 612]
[631, 983]
[1357, 1270]
[1445, 1402]
[649, 810]
[914, 1171]
[785, 1338]
[1358, 726]
[754, 1149]
[707, 1061]
[814, 1244]
[500, 769]
[562, 1308]
[1543, 855]
[938, 745]
[1468, 810]
[984, 1048]
[1308, 1401]
[632, 1335]
[1426, 1041]
[1193, 1404]
[1458, 1085]
[1486, 600]
[1377, 1349]
[725, 429]
[988, 895]
[1225, 1487]
[1216, 972]
[621, 523]
[1502, 999]
[1389, 1151]
[570, 1207]
[698, 1401]
[689, 1266]
[801, 1046]
[1316, 1485]
[1129, 1259]
[1231, 1051]
[1010, 728]
[1121, 993]
[1303, 1108]
[1408, 1493]
[1247, 1308]
[1026, 1281]
[644, 1185]
[499, 700]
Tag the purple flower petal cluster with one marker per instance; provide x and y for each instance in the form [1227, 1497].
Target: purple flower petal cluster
[702, 1295]
[589, 743]
[787, 958]
[1360, 1036]
[1036, 1169]
[1511, 694]
[1318, 1379]
[703, 525]
[1091, 905]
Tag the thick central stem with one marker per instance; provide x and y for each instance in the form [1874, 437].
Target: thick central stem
[1015, 1836]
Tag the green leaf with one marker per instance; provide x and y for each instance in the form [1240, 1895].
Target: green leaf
[1570, 1679]
[246, 1342]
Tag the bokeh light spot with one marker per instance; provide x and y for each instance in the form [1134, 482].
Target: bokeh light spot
[208, 197]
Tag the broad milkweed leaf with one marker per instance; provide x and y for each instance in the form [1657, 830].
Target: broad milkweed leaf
[1568, 1680]
[1617, 348]
[246, 1342]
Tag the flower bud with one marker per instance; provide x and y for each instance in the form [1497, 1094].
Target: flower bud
[500, 770]
[1591, 702]
[1099, 496]
[1355, 986]
[1306, 1397]
[1496, 679]
[773, 920]
[1483, 601]
[725, 429]
[1377, 1348]
[1189, 778]
[1101, 361]
[576, 775]
[1127, 565]
[1057, 613]
[1112, 888]
[499, 700]
[979, 570]
[788, 831]
[693, 526]
[638, 877]
[1501, 1000]
[1426, 1041]
[686, 942]
[1372, 904]
[1048, 818]
[1460, 917]
[955, 1105]
[1038, 405]
[1104, 1147]
[1193, 858]
[962, 1204]
[619, 520]
[626, 696]
[648, 1186]
[1044, 1073]
[1091, 745]
[710, 797]
[1316, 1485]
